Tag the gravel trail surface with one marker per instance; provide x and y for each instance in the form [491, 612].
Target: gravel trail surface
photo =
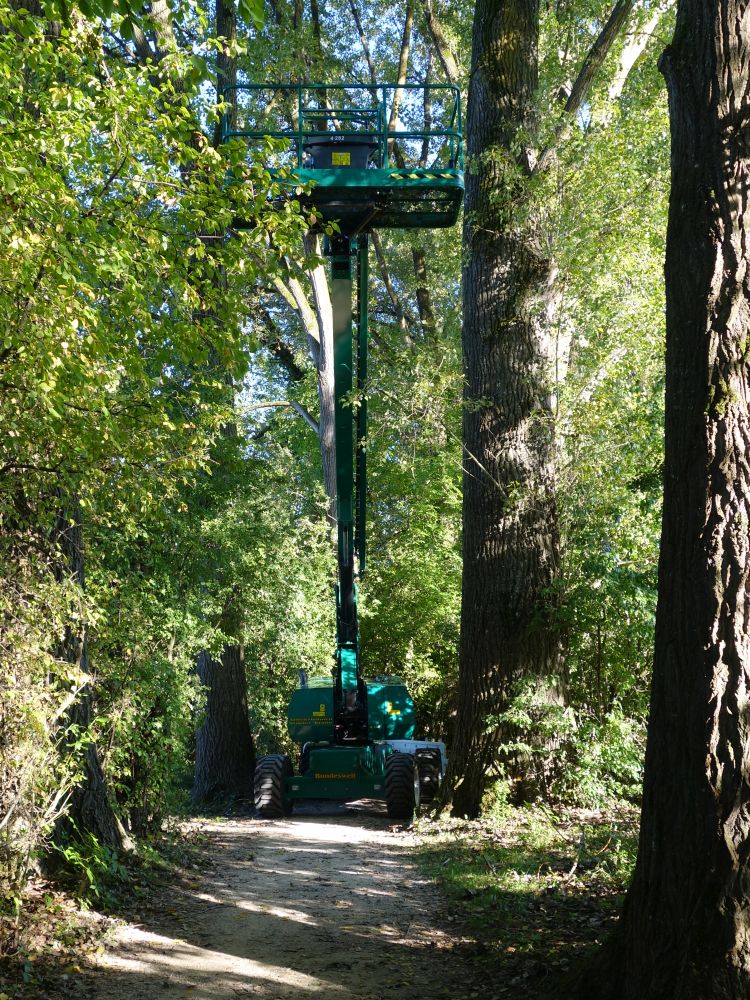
[315, 906]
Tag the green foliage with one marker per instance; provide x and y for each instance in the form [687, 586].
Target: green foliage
[604, 217]
[410, 595]
[288, 610]
[251, 12]
[611, 399]
[131, 12]
[603, 761]
[121, 309]
[36, 773]
[94, 868]
[411, 592]
[95, 339]
[566, 753]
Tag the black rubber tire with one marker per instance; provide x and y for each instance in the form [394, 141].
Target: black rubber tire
[401, 786]
[304, 759]
[271, 773]
[430, 776]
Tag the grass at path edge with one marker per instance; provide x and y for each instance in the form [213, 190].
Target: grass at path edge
[531, 891]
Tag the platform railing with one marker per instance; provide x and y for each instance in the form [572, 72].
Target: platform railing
[405, 121]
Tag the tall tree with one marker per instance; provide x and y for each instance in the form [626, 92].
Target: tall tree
[510, 539]
[224, 750]
[510, 532]
[684, 931]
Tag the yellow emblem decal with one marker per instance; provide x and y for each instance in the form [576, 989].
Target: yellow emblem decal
[341, 159]
[321, 712]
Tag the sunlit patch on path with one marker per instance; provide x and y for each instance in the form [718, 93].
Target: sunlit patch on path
[311, 907]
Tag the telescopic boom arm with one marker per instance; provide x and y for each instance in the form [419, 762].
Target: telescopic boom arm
[350, 434]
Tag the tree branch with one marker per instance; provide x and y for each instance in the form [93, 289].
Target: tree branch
[393, 295]
[633, 50]
[427, 113]
[424, 299]
[323, 315]
[403, 66]
[293, 405]
[442, 45]
[280, 348]
[364, 43]
[590, 67]
[306, 416]
[294, 295]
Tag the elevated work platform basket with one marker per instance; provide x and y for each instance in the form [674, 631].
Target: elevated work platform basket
[374, 157]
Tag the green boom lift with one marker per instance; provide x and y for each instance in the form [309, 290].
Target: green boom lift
[364, 157]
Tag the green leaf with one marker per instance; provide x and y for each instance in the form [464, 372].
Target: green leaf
[251, 12]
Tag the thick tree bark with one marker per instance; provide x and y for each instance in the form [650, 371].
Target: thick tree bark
[510, 538]
[224, 753]
[684, 933]
[510, 541]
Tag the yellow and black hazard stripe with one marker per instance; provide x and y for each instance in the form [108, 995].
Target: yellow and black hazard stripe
[423, 175]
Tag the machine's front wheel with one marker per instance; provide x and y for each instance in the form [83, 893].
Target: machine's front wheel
[269, 786]
[401, 786]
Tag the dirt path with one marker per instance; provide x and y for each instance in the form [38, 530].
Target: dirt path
[317, 906]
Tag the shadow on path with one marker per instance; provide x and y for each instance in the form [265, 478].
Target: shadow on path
[325, 904]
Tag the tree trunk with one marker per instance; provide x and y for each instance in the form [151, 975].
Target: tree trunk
[510, 539]
[89, 810]
[224, 752]
[684, 933]
[510, 534]
[320, 338]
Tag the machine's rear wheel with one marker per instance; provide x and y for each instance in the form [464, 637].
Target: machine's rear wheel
[401, 786]
[429, 765]
[269, 786]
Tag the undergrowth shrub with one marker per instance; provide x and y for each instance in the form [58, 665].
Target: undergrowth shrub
[603, 761]
[92, 869]
[553, 752]
[37, 771]
[146, 702]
